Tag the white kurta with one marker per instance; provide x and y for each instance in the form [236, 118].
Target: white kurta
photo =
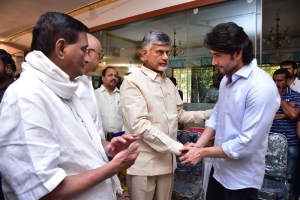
[45, 137]
[86, 94]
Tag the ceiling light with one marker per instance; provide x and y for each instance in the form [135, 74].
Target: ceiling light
[277, 40]
[175, 50]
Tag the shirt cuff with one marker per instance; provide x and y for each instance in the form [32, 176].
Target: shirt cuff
[228, 151]
[176, 147]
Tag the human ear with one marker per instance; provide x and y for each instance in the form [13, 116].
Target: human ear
[144, 54]
[8, 69]
[60, 48]
[239, 54]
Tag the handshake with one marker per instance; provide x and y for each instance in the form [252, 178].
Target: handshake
[184, 151]
[190, 154]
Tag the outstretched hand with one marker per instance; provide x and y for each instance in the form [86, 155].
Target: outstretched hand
[190, 155]
[127, 157]
[118, 144]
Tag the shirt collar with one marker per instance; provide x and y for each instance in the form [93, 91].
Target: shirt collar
[245, 71]
[152, 74]
[84, 78]
[102, 89]
[295, 81]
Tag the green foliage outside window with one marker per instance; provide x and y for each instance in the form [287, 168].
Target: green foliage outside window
[183, 77]
[194, 82]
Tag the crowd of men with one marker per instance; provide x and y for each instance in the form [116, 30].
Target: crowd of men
[53, 139]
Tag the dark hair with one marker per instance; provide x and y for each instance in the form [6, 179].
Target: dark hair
[229, 38]
[109, 67]
[282, 71]
[155, 37]
[289, 62]
[52, 26]
[7, 59]
[173, 80]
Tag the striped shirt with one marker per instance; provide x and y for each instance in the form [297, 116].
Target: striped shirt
[287, 126]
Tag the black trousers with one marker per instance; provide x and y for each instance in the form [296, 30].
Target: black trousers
[216, 191]
[1, 192]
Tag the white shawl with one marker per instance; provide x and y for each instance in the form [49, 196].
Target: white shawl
[59, 82]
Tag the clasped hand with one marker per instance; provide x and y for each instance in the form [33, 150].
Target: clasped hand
[118, 144]
[190, 154]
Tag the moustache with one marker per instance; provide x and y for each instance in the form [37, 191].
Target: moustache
[113, 81]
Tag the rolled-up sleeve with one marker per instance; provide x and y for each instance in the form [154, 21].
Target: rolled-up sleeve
[261, 104]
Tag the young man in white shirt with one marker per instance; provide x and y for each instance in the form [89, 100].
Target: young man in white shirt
[241, 119]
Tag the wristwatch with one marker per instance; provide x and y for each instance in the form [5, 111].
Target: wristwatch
[281, 97]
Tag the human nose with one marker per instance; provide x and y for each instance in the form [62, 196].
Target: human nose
[214, 62]
[165, 55]
[86, 58]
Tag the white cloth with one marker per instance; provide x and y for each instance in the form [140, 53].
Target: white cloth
[86, 94]
[242, 119]
[295, 85]
[48, 134]
[110, 109]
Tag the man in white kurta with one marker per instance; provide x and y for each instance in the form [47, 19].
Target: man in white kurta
[85, 90]
[49, 145]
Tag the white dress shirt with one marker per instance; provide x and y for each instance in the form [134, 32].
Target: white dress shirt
[242, 119]
[110, 109]
[295, 85]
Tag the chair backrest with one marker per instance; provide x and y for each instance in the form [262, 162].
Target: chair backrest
[276, 158]
[184, 137]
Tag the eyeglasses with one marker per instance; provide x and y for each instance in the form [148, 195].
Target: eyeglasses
[101, 55]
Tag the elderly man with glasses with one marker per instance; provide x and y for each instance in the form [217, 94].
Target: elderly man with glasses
[85, 89]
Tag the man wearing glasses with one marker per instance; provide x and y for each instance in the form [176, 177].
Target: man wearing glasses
[85, 89]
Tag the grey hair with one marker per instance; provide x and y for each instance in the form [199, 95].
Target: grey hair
[155, 37]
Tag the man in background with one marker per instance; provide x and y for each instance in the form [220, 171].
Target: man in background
[7, 69]
[85, 90]
[212, 94]
[152, 108]
[293, 82]
[109, 101]
[50, 148]
[174, 81]
[285, 122]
